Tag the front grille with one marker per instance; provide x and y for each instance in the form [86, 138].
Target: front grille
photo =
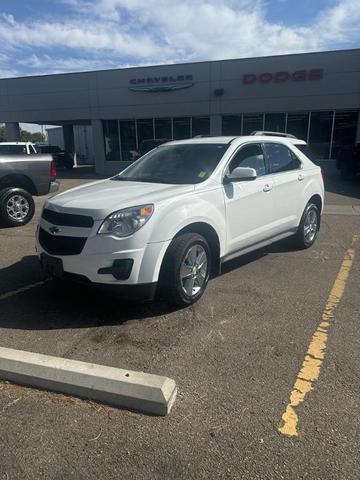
[61, 245]
[67, 219]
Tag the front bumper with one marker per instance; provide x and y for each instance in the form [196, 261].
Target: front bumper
[102, 252]
[54, 186]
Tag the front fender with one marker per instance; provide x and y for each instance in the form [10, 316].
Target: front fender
[176, 214]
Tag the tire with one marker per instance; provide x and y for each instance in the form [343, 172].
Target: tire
[17, 207]
[308, 228]
[181, 272]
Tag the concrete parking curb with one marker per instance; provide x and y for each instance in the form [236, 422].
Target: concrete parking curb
[121, 388]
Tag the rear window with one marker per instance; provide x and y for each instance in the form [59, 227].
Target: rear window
[12, 149]
[49, 149]
[306, 150]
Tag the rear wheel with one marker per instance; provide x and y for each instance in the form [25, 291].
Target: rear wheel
[16, 207]
[309, 226]
[185, 271]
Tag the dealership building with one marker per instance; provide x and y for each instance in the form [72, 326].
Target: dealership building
[315, 96]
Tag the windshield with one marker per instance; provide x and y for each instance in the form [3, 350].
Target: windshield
[176, 164]
[12, 149]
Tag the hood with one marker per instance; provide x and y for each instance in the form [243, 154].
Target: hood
[99, 199]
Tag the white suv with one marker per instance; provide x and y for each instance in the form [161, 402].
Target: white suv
[170, 220]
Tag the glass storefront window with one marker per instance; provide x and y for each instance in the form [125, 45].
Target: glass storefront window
[297, 124]
[344, 131]
[181, 127]
[252, 122]
[145, 130]
[128, 139]
[275, 122]
[231, 125]
[163, 128]
[320, 133]
[200, 126]
[111, 140]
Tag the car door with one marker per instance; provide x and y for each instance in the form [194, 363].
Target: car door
[248, 203]
[289, 181]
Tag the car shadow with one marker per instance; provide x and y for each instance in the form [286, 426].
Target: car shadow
[282, 246]
[66, 305]
[63, 305]
[24, 272]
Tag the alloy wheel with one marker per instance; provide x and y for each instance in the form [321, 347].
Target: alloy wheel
[194, 270]
[17, 207]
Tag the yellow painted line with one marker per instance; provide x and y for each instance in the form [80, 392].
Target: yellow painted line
[6, 295]
[311, 366]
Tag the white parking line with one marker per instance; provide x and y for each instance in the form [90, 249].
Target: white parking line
[6, 295]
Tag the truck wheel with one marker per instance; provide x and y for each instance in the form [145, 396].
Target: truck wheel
[308, 228]
[16, 207]
[185, 271]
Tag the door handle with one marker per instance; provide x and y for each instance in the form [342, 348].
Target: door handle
[267, 187]
[301, 177]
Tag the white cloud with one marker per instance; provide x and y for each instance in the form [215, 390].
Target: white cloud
[108, 33]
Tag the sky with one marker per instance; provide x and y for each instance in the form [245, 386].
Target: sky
[40, 37]
[51, 36]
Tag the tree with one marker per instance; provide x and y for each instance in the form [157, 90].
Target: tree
[36, 137]
[25, 136]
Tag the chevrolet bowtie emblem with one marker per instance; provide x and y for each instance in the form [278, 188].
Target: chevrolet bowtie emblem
[54, 230]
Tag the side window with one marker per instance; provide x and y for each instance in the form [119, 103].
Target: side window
[249, 156]
[281, 158]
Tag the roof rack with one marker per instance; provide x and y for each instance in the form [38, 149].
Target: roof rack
[272, 134]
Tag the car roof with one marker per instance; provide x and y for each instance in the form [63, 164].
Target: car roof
[202, 140]
[14, 143]
[238, 140]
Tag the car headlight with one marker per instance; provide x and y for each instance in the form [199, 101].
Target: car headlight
[127, 221]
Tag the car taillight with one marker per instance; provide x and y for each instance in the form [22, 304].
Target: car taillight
[53, 172]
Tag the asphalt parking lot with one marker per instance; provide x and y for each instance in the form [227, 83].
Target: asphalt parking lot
[235, 357]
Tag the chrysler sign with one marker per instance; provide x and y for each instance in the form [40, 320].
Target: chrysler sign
[283, 76]
[164, 83]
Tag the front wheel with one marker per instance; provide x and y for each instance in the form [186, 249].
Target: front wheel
[185, 271]
[16, 207]
[309, 227]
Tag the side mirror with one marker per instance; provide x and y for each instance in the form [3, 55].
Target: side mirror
[241, 174]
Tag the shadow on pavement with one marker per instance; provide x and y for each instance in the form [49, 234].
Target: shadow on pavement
[60, 305]
[24, 272]
[281, 246]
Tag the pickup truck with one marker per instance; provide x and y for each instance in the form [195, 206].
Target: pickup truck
[23, 175]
